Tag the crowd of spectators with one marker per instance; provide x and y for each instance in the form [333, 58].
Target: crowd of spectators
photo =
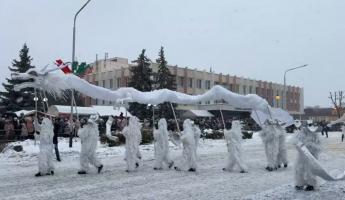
[20, 128]
[14, 128]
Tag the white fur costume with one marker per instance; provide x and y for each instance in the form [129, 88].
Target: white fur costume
[282, 151]
[132, 134]
[311, 140]
[233, 139]
[197, 134]
[271, 143]
[45, 157]
[189, 148]
[161, 143]
[89, 137]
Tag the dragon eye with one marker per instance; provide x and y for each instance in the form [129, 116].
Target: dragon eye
[33, 73]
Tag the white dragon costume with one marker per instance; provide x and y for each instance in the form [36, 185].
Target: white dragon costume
[45, 156]
[161, 144]
[233, 139]
[132, 133]
[54, 81]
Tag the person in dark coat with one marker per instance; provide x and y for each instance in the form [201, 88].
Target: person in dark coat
[55, 138]
[324, 128]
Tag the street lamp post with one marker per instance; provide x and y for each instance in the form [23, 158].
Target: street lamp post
[73, 60]
[284, 93]
[277, 97]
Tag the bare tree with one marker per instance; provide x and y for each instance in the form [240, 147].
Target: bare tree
[337, 100]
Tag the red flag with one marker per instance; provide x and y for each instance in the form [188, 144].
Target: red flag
[63, 66]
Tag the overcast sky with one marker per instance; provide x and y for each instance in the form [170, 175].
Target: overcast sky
[255, 39]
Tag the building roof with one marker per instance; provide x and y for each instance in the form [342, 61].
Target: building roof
[197, 113]
[94, 110]
[111, 111]
[58, 109]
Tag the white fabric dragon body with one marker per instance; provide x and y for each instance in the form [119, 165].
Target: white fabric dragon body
[54, 81]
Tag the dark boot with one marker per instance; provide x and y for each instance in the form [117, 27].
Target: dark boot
[100, 168]
[192, 170]
[298, 187]
[242, 171]
[285, 165]
[177, 168]
[157, 168]
[52, 172]
[309, 188]
[269, 169]
[136, 165]
[82, 172]
[171, 164]
[38, 174]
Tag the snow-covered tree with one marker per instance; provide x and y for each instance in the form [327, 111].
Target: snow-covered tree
[16, 100]
[141, 80]
[164, 79]
[337, 100]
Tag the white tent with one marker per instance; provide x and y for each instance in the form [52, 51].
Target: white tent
[276, 113]
[57, 110]
[110, 110]
[25, 112]
[340, 120]
[197, 113]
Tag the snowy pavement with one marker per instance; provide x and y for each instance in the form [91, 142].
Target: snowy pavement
[17, 171]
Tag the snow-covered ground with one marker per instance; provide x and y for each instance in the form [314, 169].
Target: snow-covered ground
[17, 171]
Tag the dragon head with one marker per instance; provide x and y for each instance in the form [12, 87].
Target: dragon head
[46, 79]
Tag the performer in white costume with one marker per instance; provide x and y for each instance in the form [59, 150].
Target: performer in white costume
[271, 143]
[282, 151]
[89, 137]
[303, 176]
[45, 156]
[233, 139]
[161, 144]
[189, 149]
[197, 134]
[132, 133]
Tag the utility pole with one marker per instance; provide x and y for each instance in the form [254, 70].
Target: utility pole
[73, 60]
[284, 93]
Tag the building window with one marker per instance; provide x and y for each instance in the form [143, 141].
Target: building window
[207, 84]
[181, 81]
[231, 87]
[111, 83]
[190, 82]
[96, 83]
[250, 89]
[118, 82]
[198, 83]
[244, 89]
[103, 83]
